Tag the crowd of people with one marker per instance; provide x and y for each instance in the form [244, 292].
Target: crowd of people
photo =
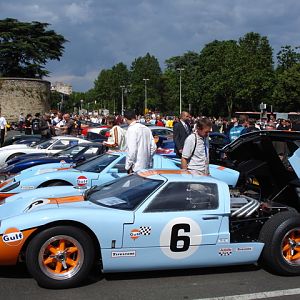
[191, 142]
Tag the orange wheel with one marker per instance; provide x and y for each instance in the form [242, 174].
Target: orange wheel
[291, 247]
[60, 257]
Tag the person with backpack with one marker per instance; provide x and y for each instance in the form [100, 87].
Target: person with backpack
[195, 153]
[35, 124]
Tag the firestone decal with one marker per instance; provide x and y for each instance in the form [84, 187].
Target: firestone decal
[27, 187]
[116, 254]
[12, 237]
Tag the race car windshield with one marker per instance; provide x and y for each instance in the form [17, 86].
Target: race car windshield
[126, 193]
[97, 164]
[70, 152]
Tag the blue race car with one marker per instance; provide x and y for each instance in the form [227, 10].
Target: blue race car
[94, 171]
[74, 154]
[152, 220]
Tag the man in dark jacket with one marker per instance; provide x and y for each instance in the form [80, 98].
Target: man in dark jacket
[181, 131]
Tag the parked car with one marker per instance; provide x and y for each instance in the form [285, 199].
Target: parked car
[152, 220]
[216, 142]
[92, 172]
[269, 165]
[74, 154]
[21, 139]
[53, 145]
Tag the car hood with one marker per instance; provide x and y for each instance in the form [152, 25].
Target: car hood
[40, 199]
[17, 146]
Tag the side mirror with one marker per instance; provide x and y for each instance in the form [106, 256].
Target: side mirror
[113, 171]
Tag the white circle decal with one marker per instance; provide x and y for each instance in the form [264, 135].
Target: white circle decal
[180, 238]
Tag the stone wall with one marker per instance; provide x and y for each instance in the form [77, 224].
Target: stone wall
[23, 95]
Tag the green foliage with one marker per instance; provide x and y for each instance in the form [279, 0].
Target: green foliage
[26, 47]
[146, 67]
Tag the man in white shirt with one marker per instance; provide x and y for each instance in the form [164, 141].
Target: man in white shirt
[3, 124]
[140, 144]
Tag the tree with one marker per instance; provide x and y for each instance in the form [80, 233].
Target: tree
[257, 73]
[26, 47]
[287, 57]
[146, 67]
[219, 63]
[286, 96]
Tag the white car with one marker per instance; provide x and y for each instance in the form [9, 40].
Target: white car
[52, 145]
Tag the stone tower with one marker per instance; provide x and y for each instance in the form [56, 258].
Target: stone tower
[24, 95]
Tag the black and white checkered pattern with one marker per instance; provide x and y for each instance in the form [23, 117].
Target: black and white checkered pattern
[225, 253]
[145, 230]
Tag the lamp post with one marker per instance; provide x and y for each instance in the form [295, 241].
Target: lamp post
[145, 79]
[180, 100]
[122, 100]
[81, 101]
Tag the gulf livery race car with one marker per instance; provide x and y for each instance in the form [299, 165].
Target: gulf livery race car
[152, 220]
[95, 171]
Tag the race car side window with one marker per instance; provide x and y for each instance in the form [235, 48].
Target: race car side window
[120, 165]
[178, 196]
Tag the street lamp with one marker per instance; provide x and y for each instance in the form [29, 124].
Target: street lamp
[122, 108]
[145, 79]
[81, 101]
[180, 102]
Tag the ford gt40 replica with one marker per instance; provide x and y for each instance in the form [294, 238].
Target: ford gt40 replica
[53, 145]
[152, 220]
[95, 171]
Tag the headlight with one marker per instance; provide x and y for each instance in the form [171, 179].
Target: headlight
[11, 187]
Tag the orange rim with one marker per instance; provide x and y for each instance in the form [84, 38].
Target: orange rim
[291, 247]
[61, 257]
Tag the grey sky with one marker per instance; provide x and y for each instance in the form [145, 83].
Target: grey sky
[105, 32]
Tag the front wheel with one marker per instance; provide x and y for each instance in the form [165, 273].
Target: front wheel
[60, 257]
[281, 235]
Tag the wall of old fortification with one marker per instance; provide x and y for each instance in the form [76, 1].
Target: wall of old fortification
[23, 95]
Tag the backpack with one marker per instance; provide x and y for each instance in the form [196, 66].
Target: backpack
[36, 126]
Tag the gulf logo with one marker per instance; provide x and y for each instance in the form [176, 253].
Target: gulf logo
[135, 234]
[82, 180]
[12, 237]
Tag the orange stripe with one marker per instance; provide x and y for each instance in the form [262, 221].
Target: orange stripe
[116, 136]
[8, 253]
[5, 195]
[2, 184]
[68, 199]
[221, 168]
[157, 172]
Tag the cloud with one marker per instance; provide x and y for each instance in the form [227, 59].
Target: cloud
[105, 32]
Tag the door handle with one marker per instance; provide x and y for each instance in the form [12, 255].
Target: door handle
[210, 218]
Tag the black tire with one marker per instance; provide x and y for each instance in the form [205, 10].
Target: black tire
[56, 183]
[278, 234]
[14, 155]
[48, 270]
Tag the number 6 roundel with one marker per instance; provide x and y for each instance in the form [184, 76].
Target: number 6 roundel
[180, 238]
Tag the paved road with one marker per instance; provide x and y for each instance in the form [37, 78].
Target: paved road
[15, 283]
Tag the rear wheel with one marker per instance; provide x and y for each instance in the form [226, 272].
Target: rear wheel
[60, 257]
[57, 183]
[281, 235]
[14, 155]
